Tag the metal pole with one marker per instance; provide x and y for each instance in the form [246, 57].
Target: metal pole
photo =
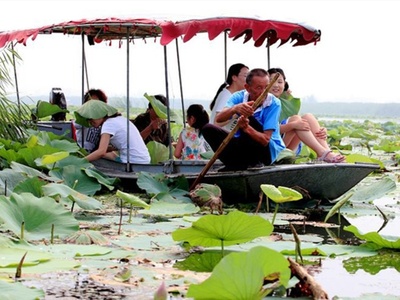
[168, 103]
[226, 53]
[180, 81]
[127, 98]
[268, 55]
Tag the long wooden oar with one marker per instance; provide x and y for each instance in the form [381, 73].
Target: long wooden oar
[221, 147]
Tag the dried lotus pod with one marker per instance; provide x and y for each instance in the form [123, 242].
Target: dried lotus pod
[207, 195]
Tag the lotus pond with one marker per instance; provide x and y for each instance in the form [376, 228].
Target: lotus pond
[78, 238]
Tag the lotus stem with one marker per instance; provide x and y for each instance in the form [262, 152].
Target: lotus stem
[22, 229]
[52, 234]
[275, 212]
[120, 217]
[298, 243]
[130, 214]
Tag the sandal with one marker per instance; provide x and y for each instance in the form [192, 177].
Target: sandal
[333, 159]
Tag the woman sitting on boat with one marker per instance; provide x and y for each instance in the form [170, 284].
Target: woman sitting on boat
[296, 129]
[151, 126]
[235, 82]
[191, 143]
[114, 133]
[89, 138]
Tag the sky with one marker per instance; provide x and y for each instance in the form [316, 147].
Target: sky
[357, 59]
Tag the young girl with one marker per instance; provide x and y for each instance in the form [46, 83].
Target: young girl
[191, 143]
[306, 129]
[114, 143]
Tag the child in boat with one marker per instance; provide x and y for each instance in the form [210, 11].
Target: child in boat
[296, 129]
[191, 143]
[114, 133]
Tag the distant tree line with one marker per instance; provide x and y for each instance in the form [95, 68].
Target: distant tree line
[375, 110]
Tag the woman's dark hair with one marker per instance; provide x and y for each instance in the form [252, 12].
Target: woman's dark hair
[234, 70]
[277, 70]
[161, 98]
[95, 92]
[201, 115]
[280, 71]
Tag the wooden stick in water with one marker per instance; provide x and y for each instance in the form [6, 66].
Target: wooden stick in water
[225, 142]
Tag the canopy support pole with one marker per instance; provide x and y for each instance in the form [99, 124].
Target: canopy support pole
[180, 81]
[226, 53]
[84, 71]
[168, 103]
[268, 55]
[127, 99]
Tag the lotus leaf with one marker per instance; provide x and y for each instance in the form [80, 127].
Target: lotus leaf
[38, 216]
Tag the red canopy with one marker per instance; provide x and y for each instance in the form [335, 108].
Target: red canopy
[118, 29]
[258, 30]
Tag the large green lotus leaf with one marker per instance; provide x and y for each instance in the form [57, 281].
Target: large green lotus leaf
[31, 172]
[290, 106]
[8, 154]
[45, 109]
[240, 276]
[93, 110]
[154, 184]
[233, 228]
[374, 191]
[29, 155]
[158, 152]
[200, 262]
[132, 199]
[9, 179]
[16, 290]
[65, 145]
[38, 216]
[51, 158]
[280, 194]
[11, 257]
[65, 192]
[168, 209]
[30, 185]
[74, 177]
[161, 110]
[101, 178]
[74, 160]
[374, 237]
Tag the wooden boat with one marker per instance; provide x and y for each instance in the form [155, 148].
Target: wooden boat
[317, 180]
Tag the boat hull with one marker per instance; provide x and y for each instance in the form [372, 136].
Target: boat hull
[319, 181]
